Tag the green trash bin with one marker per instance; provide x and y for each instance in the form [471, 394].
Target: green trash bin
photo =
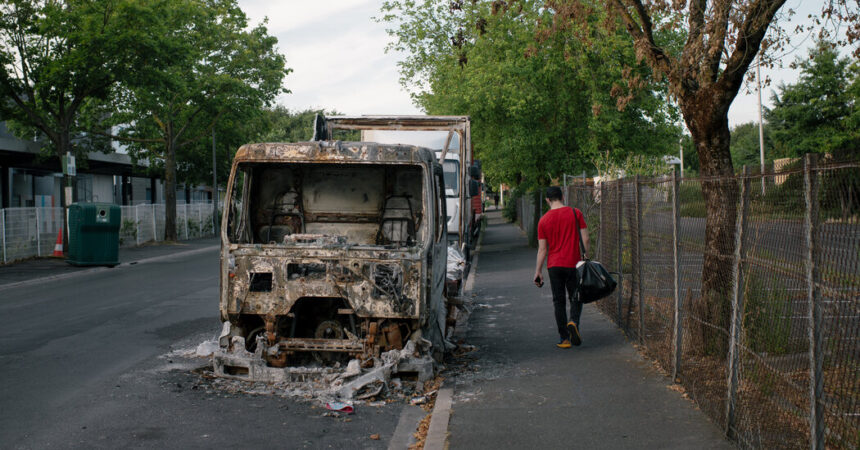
[94, 234]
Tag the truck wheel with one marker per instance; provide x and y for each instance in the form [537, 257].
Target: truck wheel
[329, 329]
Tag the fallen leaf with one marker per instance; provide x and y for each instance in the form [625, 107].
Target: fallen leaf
[375, 437]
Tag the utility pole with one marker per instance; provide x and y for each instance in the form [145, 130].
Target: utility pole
[681, 145]
[214, 188]
[760, 125]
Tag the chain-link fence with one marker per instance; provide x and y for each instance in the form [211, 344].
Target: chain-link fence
[754, 306]
[29, 232]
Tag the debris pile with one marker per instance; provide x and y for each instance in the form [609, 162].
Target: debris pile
[393, 374]
[456, 264]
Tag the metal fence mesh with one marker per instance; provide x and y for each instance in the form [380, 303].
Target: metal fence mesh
[29, 232]
[768, 317]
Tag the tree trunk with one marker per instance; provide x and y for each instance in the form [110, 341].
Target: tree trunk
[170, 189]
[708, 125]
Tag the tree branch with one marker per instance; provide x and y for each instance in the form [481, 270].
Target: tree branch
[38, 122]
[126, 138]
[716, 41]
[643, 38]
[749, 37]
[205, 132]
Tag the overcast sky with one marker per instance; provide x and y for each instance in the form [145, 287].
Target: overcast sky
[337, 53]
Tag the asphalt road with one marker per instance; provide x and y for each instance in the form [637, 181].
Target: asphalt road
[85, 363]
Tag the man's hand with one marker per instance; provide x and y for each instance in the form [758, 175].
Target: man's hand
[538, 280]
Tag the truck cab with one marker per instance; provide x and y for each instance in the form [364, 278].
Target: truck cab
[450, 139]
[331, 251]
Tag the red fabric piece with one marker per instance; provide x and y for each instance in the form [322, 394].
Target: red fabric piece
[558, 228]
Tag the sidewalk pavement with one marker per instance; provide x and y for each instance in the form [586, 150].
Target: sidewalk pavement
[32, 270]
[519, 391]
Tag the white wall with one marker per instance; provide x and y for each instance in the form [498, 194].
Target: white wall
[103, 188]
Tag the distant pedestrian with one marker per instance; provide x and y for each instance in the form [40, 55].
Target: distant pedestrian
[558, 246]
[496, 199]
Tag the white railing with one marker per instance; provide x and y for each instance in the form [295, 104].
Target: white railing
[29, 232]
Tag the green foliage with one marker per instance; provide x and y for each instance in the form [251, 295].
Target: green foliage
[691, 157]
[647, 166]
[210, 70]
[284, 125]
[745, 146]
[538, 111]
[768, 317]
[59, 57]
[820, 113]
[509, 212]
[128, 228]
[692, 201]
[193, 227]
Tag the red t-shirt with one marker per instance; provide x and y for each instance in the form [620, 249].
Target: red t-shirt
[557, 226]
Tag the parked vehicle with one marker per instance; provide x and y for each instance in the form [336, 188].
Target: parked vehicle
[331, 251]
[449, 137]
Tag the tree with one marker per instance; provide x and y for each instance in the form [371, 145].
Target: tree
[705, 74]
[211, 67]
[284, 125]
[60, 56]
[813, 115]
[745, 148]
[537, 111]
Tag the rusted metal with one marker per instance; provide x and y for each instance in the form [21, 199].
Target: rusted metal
[306, 255]
[321, 345]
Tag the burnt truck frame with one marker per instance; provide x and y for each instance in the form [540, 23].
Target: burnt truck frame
[330, 251]
[460, 125]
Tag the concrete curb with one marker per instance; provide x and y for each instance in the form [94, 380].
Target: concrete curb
[79, 273]
[437, 434]
[402, 437]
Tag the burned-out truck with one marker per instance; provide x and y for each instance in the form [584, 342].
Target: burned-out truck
[330, 251]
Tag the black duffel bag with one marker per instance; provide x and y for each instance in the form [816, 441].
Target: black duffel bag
[595, 282]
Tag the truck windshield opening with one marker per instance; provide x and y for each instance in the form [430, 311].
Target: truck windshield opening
[327, 204]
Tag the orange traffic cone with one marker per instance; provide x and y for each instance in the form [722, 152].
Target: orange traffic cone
[58, 247]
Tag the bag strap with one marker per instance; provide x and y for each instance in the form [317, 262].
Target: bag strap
[579, 232]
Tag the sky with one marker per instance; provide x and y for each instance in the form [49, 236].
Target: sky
[337, 53]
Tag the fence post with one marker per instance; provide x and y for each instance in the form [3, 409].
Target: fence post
[154, 228]
[136, 228]
[600, 246]
[813, 297]
[637, 257]
[737, 305]
[676, 264]
[619, 237]
[38, 234]
[3, 225]
[185, 219]
[199, 221]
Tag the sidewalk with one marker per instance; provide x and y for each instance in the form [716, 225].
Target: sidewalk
[43, 268]
[519, 391]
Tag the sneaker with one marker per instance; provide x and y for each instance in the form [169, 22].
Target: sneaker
[563, 343]
[575, 338]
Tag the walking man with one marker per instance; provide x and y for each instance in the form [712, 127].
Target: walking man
[558, 246]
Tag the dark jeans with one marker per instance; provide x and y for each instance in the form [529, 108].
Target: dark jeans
[564, 282]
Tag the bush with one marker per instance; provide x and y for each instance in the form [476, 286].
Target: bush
[510, 211]
[127, 229]
[692, 200]
[768, 318]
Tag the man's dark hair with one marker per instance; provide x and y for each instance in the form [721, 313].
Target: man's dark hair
[553, 193]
